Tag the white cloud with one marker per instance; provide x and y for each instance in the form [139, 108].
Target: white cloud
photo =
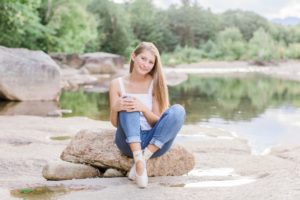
[290, 10]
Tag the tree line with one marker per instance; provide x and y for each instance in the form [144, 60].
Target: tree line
[184, 33]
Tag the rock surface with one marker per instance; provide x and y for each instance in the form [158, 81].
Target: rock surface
[97, 149]
[28, 75]
[26, 147]
[67, 171]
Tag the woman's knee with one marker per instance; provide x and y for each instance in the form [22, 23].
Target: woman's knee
[129, 118]
[178, 111]
[124, 114]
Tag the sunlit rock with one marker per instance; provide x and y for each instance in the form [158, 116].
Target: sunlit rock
[97, 148]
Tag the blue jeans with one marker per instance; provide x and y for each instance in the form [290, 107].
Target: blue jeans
[161, 135]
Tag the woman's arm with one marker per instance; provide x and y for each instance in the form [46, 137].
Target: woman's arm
[152, 116]
[113, 97]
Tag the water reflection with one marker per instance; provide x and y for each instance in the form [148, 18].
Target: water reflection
[231, 99]
[38, 108]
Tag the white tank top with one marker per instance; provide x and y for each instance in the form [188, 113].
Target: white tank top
[145, 98]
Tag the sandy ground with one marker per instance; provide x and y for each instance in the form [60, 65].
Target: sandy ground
[225, 167]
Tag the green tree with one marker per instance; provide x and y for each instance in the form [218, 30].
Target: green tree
[248, 22]
[20, 24]
[150, 24]
[191, 24]
[230, 44]
[72, 28]
[262, 47]
[293, 51]
[113, 22]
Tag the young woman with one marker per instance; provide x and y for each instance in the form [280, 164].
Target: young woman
[139, 103]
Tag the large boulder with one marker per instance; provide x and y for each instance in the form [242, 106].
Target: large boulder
[28, 75]
[97, 148]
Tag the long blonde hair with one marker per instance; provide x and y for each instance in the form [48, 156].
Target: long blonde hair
[160, 88]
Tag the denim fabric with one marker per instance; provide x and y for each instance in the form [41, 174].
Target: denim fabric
[161, 135]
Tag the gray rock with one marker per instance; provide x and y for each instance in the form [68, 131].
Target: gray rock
[102, 63]
[97, 148]
[112, 173]
[67, 60]
[67, 171]
[28, 75]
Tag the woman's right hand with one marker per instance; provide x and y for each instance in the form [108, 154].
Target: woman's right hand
[123, 104]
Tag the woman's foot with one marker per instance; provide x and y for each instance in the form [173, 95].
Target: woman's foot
[141, 175]
[131, 173]
[139, 171]
[135, 169]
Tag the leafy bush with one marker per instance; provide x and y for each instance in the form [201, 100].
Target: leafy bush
[293, 51]
[230, 44]
[182, 55]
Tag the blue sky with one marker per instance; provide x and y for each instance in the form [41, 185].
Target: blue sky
[267, 8]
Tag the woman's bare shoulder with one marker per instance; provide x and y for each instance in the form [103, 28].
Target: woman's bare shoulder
[114, 83]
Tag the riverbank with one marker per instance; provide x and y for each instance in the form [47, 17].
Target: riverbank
[287, 70]
[225, 167]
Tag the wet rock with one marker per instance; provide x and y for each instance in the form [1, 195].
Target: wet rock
[97, 148]
[67, 171]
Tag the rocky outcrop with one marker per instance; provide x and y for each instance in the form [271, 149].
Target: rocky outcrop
[102, 63]
[97, 148]
[28, 75]
[91, 72]
[94, 63]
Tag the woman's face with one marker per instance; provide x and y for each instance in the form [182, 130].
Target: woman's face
[143, 62]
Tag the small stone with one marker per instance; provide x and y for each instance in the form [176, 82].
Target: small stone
[113, 173]
[66, 171]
